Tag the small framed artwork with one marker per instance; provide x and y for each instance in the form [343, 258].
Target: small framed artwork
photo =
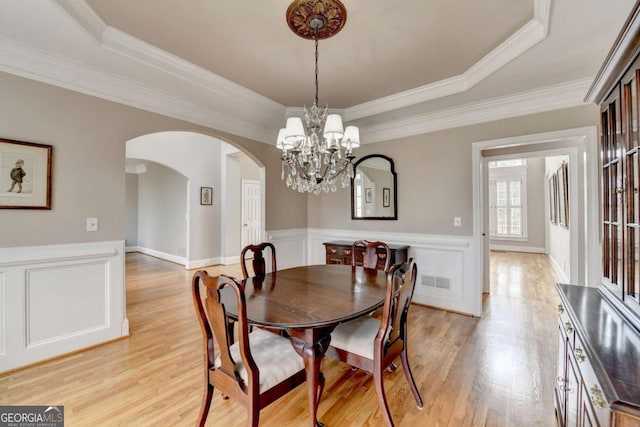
[368, 195]
[386, 196]
[25, 175]
[206, 195]
[553, 199]
[563, 195]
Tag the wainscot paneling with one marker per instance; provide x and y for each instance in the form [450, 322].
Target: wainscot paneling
[58, 299]
[445, 264]
[291, 247]
[3, 311]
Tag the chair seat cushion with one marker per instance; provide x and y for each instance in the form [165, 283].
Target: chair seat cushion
[275, 357]
[356, 336]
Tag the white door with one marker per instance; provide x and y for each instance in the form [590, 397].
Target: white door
[250, 212]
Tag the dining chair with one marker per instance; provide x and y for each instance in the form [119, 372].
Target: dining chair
[255, 253]
[255, 371]
[372, 344]
[258, 263]
[370, 256]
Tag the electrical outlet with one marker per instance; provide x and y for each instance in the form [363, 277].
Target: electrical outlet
[92, 224]
[457, 221]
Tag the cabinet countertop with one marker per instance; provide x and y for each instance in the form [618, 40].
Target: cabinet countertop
[612, 343]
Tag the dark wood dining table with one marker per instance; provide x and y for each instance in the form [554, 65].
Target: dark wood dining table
[308, 302]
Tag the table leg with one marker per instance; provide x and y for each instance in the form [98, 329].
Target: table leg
[312, 348]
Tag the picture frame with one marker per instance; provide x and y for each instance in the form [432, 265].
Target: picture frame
[386, 197]
[206, 196]
[25, 175]
[563, 195]
[553, 199]
[368, 194]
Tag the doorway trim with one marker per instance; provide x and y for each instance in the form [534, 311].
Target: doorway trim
[586, 138]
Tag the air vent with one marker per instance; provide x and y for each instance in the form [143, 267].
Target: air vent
[436, 282]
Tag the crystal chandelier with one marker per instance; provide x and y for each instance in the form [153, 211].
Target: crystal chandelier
[318, 153]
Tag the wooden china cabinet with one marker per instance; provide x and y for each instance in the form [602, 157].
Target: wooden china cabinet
[598, 382]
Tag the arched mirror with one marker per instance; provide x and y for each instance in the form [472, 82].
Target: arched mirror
[374, 191]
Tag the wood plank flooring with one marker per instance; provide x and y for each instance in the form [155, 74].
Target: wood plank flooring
[498, 370]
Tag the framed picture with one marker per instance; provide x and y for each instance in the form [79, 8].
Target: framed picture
[386, 196]
[368, 194]
[206, 195]
[563, 195]
[553, 199]
[25, 175]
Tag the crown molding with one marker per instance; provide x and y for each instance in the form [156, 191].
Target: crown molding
[121, 43]
[549, 98]
[254, 116]
[59, 71]
[519, 42]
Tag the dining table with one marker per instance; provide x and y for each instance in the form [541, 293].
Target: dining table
[308, 302]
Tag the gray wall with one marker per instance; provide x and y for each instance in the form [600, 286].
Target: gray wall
[162, 210]
[88, 137]
[434, 174]
[131, 210]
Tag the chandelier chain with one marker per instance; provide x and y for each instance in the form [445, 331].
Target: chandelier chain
[316, 40]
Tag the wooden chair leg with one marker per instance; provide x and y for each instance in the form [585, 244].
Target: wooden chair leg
[206, 403]
[407, 372]
[382, 398]
[254, 414]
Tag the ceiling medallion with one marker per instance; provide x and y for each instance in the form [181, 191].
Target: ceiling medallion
[327, 16]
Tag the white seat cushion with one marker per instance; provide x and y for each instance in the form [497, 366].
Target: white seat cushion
[274, 355]
[356, 336]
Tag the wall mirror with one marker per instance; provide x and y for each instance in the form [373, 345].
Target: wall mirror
[374, 191]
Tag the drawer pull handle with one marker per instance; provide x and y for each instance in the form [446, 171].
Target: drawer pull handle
[382, 256]
[580, 356]
[568, 327]
[347, 251]
[597, 398]
[560, 308]
[333, 250]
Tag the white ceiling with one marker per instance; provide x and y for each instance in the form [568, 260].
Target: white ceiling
[396, 69]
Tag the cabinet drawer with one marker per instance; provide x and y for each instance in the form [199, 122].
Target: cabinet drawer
[592, 391]
[566, 325]
[338, 251]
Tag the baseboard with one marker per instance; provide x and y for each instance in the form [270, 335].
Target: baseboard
[513, 248]
[162, 255]
[562, 277]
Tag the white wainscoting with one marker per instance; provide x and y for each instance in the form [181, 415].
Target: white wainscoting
[291, 247]
[57, 299]
[442, 256]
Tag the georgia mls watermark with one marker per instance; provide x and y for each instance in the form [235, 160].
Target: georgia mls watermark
[31, 416]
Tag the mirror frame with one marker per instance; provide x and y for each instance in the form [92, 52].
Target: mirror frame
[395, 188]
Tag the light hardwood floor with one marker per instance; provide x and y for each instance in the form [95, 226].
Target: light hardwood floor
[498, 370]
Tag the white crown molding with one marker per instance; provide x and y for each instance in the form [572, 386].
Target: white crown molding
[530, 102]
[258, 117]
[28, 62]
[124, 44]
[519, 42]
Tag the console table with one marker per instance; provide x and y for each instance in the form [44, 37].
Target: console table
[339, 252]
